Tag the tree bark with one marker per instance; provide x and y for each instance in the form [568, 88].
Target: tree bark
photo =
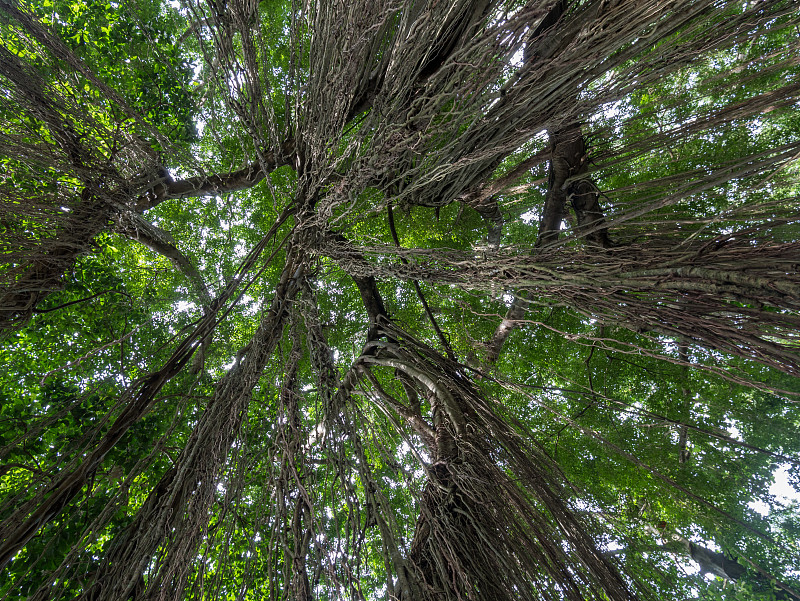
[197, 469]
[43, 274]
[216, 184]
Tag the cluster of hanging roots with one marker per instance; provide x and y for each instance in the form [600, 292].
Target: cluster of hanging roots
[405, 104]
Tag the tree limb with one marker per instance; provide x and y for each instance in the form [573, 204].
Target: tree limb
[209, 185]
[413, 417]
[568, 160]
[135, 227]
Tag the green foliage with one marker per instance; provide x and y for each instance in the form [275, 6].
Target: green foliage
[659, 436]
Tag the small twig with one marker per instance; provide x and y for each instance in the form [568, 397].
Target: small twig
[81, 300]
[94, 351]
[4, 469]
[445, 343]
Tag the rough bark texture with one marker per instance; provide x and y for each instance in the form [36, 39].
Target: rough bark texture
[215, 184]
[38, 277]
[380, 104]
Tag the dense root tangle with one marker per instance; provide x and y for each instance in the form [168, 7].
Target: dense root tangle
[484, 531]
[361, 200]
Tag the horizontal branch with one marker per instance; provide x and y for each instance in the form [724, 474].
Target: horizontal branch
[211, 185]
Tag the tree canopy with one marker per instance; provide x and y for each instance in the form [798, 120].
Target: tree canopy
[399, 299]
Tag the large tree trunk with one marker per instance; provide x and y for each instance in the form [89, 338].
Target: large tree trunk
[478, 535]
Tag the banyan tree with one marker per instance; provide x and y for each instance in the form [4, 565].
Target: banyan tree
[399, 299]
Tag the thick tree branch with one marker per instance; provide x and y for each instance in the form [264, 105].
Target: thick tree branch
[208, 185]
[511, 320]
[43, 274]
[429, 381]
[371, 297]
[568, 160]
[568, 153]
[718, 564]
[710, 562]
[136, 228]
[412, 416]
[584, 197]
